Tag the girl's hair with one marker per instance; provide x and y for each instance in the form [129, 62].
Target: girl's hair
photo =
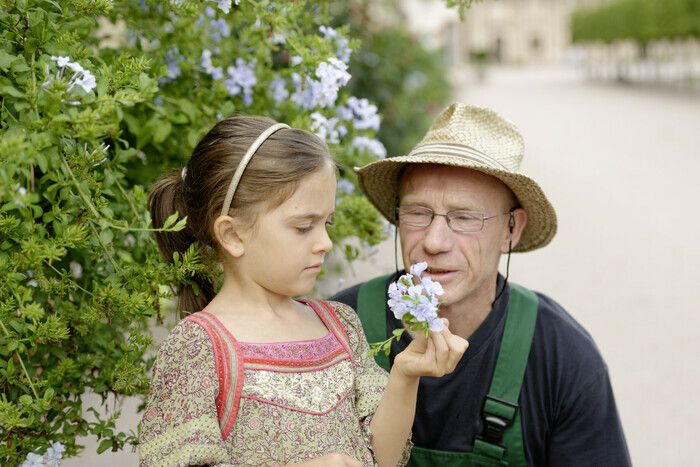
[270, 178]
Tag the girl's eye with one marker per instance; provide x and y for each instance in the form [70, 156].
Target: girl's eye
[306, 229]
[329, 222]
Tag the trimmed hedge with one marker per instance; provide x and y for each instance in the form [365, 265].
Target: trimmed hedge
[640, 20]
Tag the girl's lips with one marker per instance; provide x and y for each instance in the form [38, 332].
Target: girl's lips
[314, 268]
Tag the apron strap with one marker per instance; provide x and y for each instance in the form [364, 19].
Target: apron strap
[372, 296]
[500, 409]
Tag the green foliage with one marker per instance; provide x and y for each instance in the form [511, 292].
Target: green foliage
[461, 6]
[80, 276]
[97, 99]
[641, 20]
[407, 82]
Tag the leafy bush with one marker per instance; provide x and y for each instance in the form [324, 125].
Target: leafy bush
[97, 98]
[395, 71]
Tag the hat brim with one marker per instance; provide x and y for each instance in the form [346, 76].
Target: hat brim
[380, 182]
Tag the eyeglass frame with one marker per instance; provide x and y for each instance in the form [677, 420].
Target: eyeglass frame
[446, 215]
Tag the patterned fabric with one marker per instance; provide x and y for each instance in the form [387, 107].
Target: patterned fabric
[299, 400]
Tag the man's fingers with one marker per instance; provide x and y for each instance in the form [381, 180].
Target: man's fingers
[442, 352]
[457, 347]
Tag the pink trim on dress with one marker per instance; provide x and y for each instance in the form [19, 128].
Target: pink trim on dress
[222, 358]
[332, 322]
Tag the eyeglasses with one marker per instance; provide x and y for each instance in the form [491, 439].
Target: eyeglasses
[459, 220]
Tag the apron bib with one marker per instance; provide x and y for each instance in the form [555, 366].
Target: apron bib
[501, 442]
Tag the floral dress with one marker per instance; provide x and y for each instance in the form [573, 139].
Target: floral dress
[217, 401]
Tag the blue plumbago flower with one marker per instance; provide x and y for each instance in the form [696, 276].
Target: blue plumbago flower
[372, 146]
[225, 5]
[172, 61]
[217, 72]
[278, 39]
[346, 186]
[414, 300]
[52, 457]
[295, 60]
[362, 113]
[303, 97]
[54, 454]
[219, 29]
[278, 89]
[342, 51]
[241, 78]
[310, 93]
[333, 75]
[81, 78]
[33, 460]
[327, 128]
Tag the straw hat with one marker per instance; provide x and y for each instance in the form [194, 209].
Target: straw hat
[474, 138]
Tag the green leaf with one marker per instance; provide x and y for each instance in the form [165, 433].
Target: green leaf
[161, 131]
[6, 60]
[104, 445]
[7, 90]
[170, 220]
[182, 223]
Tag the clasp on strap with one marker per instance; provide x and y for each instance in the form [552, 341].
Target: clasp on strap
[496, 424]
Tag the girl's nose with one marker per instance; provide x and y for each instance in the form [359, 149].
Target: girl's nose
[324, 243]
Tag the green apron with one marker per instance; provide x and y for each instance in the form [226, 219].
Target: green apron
[501, 442]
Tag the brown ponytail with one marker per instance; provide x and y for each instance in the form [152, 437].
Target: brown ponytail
[270, 178]
[164, 200]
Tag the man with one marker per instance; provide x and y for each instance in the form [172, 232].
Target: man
[532, 388]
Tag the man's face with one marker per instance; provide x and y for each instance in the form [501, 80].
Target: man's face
[466, 264]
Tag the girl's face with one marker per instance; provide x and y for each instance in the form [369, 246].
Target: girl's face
[285, 249]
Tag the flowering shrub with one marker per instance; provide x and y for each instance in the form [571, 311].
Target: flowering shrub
[397, 74]
[98, 98]
[414, 300]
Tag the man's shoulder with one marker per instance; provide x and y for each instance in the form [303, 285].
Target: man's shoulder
[349, 295]
[562, 341]
[553, 317]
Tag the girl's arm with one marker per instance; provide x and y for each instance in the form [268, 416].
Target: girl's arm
[391, 424]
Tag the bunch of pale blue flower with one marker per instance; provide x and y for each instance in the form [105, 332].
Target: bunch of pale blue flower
[51, 458]
[81, 77]
[414, 300]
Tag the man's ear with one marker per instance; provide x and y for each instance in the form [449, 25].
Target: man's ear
[514, 229]
[230, 235]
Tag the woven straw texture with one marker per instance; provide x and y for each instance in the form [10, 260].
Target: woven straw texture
[474, 138]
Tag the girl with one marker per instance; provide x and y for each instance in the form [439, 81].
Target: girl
[257, 377]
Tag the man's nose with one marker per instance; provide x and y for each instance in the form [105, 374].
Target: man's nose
[438, 236]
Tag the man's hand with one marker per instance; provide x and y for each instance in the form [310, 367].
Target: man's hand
[436, 355]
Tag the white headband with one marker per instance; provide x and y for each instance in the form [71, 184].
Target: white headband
[244, 162]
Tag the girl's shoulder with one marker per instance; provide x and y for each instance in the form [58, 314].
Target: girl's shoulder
[348, 318]
[187, 340]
